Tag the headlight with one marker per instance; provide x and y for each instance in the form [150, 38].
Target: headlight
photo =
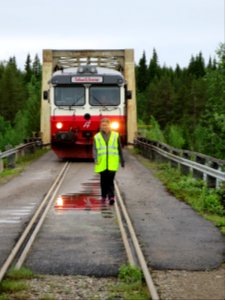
[115, 125]
[59, 201]
[59, 125]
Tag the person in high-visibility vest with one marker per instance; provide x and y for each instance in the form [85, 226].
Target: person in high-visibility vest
[108, 155]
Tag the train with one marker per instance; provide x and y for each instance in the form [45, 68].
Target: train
[79, 98]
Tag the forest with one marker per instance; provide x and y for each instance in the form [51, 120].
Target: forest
[20, 94]
[183, 107]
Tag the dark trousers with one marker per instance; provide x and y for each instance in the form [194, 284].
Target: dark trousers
[107, 184]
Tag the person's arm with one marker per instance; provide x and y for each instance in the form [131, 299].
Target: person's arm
[94, 151]
[122, 161]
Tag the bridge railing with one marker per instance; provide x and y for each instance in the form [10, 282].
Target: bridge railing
[12, 154]
[201, 166]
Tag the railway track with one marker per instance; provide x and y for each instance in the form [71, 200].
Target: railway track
[132, 246]
[134, 253]
[21, 248]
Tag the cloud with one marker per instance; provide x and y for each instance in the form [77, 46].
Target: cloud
[175, 28]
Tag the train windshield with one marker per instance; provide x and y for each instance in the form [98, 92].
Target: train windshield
[104, 95]
[69, 96]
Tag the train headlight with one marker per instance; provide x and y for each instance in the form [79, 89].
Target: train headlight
[59, 201]
[115, 125]
[59, 125]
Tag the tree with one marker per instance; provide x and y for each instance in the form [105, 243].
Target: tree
[196, 66]
[153, 69]
[32, 108]
[19, 101]
[142, 74]
[213, 117]
[36, 68]
[188, 103]
[12, 91]
[28, 70]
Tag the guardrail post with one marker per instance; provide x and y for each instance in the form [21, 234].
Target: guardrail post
[18, 153]
[196, 173]
[205, 175]
[11, 158]
[210, 181]
[186, 170]
[1, 165]
[175, 164]
[218, 181]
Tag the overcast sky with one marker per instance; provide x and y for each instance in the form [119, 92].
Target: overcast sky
[177, 29]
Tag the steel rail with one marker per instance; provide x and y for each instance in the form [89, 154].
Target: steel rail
[128, 250]
[29, 243]
[25, 233]
[148, 278]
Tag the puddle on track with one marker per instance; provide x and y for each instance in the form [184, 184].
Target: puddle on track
[88, 201]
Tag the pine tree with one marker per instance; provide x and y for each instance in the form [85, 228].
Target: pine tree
[142, 74]
[153, 69]
[196, 66]
[36, 68]
[28, 70]
[12, 91]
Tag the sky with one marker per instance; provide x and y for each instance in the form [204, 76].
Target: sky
[177, 29]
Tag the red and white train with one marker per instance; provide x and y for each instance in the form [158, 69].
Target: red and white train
[79, 98]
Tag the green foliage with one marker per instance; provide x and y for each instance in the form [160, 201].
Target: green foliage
[131, 291]
[154, 68]
[192, 191]
[142, 80]
[22, 273]
[11, 286]
[197, 66]
[20, 94]
[28, 69]
[188, 103]
[175, 137]
[12, 92]
[155, 133]
[130, 286]
[210, 202]
[219, 221]
[130, 274]
[14, 286]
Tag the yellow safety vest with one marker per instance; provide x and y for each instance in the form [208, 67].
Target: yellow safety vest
[107, 154]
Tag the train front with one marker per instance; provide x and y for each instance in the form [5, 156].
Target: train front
[79, 98]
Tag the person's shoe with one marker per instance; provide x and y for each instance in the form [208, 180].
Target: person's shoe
[111, 201]
[103, 199]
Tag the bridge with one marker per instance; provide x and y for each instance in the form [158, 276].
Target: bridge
[53, 221]
[122, 60]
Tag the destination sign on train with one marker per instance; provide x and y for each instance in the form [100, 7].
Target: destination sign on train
[81, 79]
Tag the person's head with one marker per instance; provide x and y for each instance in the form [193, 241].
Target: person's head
[105, 125]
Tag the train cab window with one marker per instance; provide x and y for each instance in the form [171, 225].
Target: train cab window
[104, 95]
[69, 96]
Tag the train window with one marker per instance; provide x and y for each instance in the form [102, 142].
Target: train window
[104, 95]
[69, 96]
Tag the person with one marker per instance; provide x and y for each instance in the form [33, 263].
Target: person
[107, 154]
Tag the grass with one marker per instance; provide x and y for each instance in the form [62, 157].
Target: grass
[14, 286]
[11, 286]
[21, 164]
[130, 285]
[208, 202]
[217, 220]
[22, 273]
